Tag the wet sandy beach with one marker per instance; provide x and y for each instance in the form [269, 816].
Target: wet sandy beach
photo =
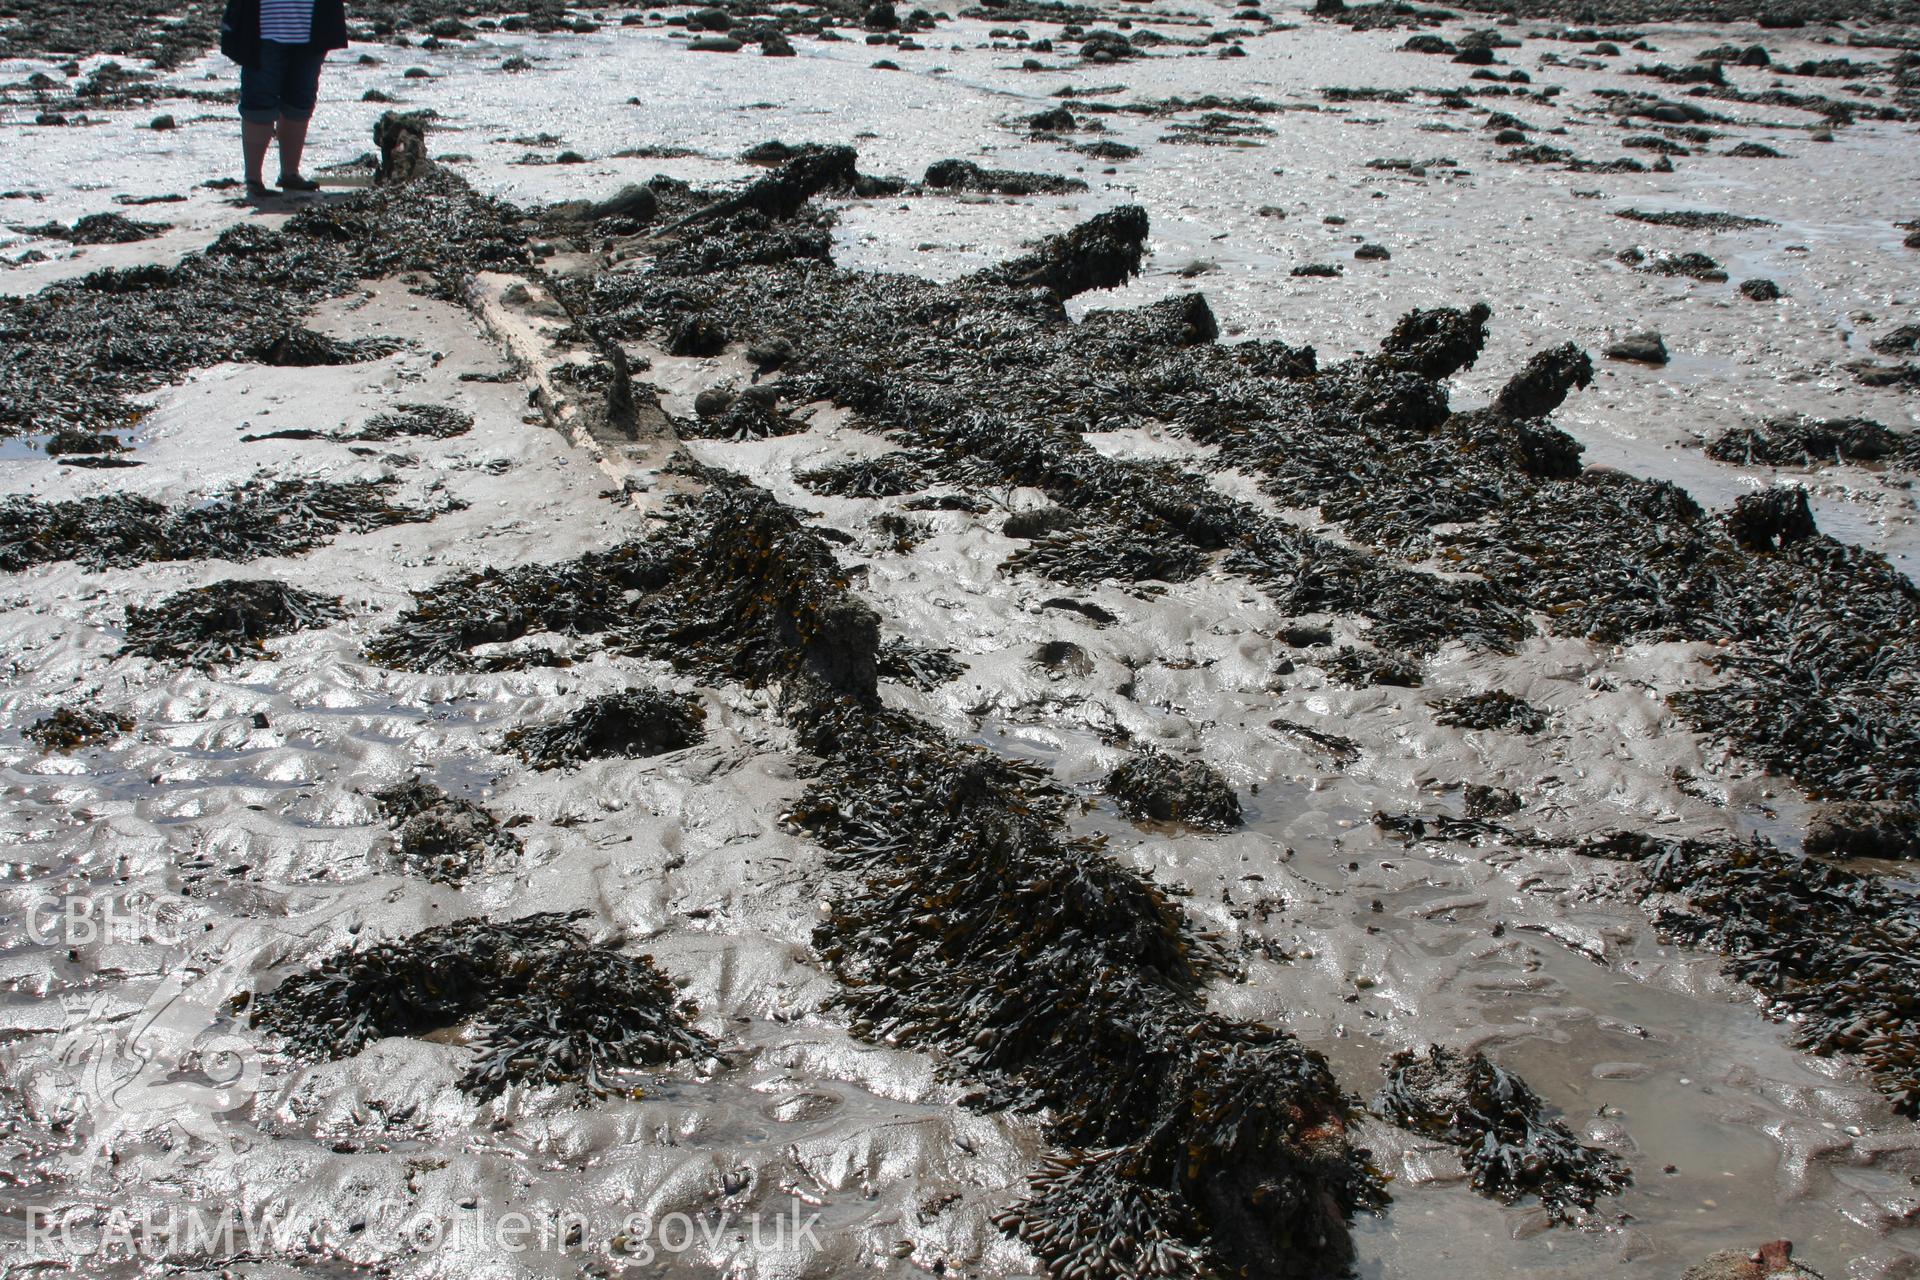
[907, 529]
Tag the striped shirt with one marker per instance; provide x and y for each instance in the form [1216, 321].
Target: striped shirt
[286, 21]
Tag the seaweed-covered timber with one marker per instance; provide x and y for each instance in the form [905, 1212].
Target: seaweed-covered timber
[1790, 442]
[1819, 642]
[118, 530]
[555, 1009]
[1510, 1146]
[726, 591]
[966, 923]
[1054, 978]
[225, 622]
[442, 837]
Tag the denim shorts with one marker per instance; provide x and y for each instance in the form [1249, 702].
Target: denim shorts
[286, 83]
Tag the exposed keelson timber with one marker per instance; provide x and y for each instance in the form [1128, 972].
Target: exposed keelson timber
[966, 923]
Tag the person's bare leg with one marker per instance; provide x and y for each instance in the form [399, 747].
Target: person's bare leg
[293, 141]
[254, 140]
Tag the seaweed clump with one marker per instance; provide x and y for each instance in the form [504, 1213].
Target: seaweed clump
[554, 1009]
[1363, 668]
[427, 421]
[914, 665]
[442, 837]
[119, 530]
[1160, 788]
[890, 475]
[1087, 557]
[100, 228]
[636, 722]
[70, 728]
[300, 348]
[225, 622]
[1510, 1146]
[1495, 709]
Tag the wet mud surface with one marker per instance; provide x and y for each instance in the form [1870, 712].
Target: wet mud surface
[1045, 779]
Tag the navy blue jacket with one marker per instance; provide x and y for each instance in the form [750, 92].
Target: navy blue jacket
[240, 29]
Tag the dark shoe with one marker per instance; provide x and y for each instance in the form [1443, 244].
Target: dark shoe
[294, 182]
[260, 191]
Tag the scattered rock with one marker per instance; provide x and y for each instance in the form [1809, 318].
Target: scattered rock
[1642, 348]
[1773, 1261]
[1864, 829]
[1904, 341]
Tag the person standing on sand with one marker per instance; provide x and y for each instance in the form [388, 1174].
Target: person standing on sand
[280, 46]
